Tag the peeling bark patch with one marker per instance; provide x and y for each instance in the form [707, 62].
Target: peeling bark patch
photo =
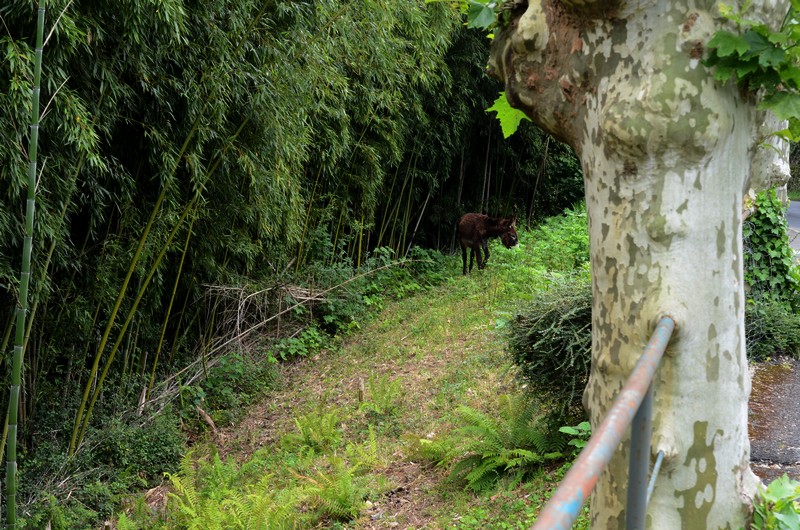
[690, 22]
[568, 89]
[712, 365]
[629, 168]
[697, 50]
[721, 236]
[698, 499]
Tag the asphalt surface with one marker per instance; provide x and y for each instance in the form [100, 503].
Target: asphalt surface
[793, 216]
[774, 423]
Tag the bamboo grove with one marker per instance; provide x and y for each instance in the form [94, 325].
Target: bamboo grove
[186, 146]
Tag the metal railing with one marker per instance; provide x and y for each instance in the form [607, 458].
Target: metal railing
[633, 406]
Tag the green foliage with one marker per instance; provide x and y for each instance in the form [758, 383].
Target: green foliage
[316, 432]
[771, 329]
[550, 341]
[308, 342]
[770, 271]
[561, 243]
[508, 116]
[484, 449]
[518, 509]
[356, 295]
[212, 495]
[382, 396]
[128, 454]
[337, 494]
[234, 382]
[481, 13]
[146, 450]
[759, 58]
[580, 434]
[777, 507]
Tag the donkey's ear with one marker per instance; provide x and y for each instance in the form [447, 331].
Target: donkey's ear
[513, 221]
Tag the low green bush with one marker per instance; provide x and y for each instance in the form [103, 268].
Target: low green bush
[769, 268]
[777, 507]
[551, 341]
[486, 448]
[355, 295]
[772, 329]
[126, 455]
[561, 243]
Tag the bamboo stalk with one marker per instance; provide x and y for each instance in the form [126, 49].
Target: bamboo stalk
[112, 318]
[22, 301]
[7, 335]
[459, 207]
[542, 167]
[305, 223]
[129, 318]
[360, 239]
[169, 307]
[79, 416]
[336, 233]
[419, 219]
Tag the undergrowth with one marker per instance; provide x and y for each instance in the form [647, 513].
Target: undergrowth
[425, 370]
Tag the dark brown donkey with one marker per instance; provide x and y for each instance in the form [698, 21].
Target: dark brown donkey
[474, 231]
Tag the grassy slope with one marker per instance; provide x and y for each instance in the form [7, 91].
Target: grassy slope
[443, 347]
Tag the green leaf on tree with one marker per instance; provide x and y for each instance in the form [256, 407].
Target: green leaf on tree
[509, 117]
[727, 43]
[784, 105]
[481, 15]
[723, 72]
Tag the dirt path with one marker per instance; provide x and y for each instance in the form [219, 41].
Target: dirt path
[443, 355]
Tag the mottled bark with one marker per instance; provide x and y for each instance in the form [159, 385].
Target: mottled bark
[666, 153]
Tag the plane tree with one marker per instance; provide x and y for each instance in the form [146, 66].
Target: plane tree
[671, 151]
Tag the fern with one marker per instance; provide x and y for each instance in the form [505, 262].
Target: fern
[123, 523]
[337, 494]
[210, 496]
[364, 455]
[434, 451]
[510, 445]
[316, 432]
[384, 396]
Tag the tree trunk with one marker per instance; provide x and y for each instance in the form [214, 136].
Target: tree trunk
[666, 154]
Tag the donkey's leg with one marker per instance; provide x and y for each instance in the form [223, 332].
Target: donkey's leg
[472, 257]
[464, 258]
[478, 257]
[485, 245]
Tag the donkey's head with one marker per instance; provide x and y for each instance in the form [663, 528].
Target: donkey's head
[509, 234]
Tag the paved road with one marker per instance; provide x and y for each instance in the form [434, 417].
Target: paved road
[793, 216]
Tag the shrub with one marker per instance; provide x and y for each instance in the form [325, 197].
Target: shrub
[362, 293]
[769, 268]
[509, 444]
[561, 243]
[234, 382]
[550, 341]
[771, 329]
[777, 507]
[488, 447]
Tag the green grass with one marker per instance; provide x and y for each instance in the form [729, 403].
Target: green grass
[345, 421]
